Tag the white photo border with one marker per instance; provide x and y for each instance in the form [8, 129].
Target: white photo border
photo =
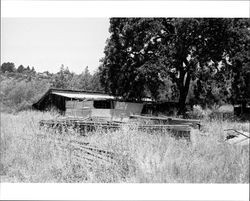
[106, 9]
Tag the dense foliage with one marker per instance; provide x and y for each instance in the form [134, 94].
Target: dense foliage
[21, 87]
[205, 59]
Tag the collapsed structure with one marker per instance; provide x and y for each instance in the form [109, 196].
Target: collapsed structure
[87, 111]
[75, 103]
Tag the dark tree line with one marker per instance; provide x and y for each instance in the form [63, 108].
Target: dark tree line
[63, 79]
[9, 67]
[206, 60]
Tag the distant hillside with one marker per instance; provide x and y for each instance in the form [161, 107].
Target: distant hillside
[21, 87]
[18, 90]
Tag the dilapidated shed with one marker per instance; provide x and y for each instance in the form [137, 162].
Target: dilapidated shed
[75, 103]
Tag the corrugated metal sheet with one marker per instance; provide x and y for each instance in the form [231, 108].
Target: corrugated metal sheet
[84, 96]
[239, 140]
[238, 137]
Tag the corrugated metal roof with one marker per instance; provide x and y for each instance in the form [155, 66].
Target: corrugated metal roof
[241, 138]
[84, 96]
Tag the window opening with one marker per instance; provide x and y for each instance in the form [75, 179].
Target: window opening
[103, 104]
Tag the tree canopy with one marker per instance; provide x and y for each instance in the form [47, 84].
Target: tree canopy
[8, 67]
[142, 52]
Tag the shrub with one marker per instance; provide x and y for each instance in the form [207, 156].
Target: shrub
[20, 95]
[199, 113]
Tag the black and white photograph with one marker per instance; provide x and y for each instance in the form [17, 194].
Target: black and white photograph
[125, 100]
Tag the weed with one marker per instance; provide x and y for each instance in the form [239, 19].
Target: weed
[33, 154]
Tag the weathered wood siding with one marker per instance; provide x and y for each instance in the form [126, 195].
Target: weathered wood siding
[120, 112]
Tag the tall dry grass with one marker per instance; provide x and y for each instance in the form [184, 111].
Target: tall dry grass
[32, 154]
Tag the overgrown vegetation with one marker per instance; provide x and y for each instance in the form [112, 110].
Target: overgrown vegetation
[205, 59]
[32, 154]
[22, 87]
[202, 62]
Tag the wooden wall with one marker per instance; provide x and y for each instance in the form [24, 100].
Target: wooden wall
[120, 112]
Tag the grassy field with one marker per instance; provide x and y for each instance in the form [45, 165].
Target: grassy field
[32, 154]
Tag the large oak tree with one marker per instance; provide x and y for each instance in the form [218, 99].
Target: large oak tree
[141, 52]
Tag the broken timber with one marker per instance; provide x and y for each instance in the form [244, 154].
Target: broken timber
[84, 125]
[170, 120]
[83, 153]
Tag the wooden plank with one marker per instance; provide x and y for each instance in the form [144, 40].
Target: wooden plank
[170, 120]
[85, 155]
[95, 154]
[165, 118]
[112, 125]
[92, 148]
[94, 157]
[180, 119]
[80, 122]
[83, 162]
[167, 127]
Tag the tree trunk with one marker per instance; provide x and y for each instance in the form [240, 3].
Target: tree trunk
[182, 105]
[183, 89]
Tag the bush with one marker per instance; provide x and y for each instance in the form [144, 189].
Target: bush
[20, 95]
[215, 112]
[199, 113]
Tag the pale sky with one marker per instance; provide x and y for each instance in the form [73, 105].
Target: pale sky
[47, 43]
